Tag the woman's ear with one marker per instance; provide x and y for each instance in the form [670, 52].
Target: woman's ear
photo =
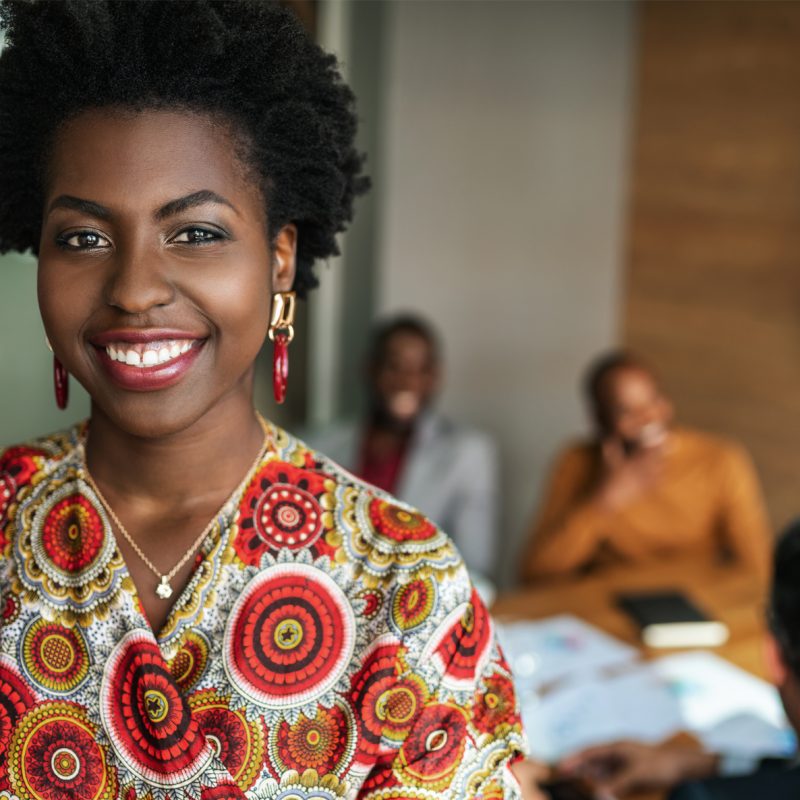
[284, 253]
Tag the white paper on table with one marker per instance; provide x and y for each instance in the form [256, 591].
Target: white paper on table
[727, 709]
[558, 648]
[633, 705]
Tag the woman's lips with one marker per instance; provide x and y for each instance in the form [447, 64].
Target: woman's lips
[146, 361]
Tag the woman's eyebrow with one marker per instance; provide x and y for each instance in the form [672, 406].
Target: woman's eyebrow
[167, 210]
[190, 201]
[78, 204]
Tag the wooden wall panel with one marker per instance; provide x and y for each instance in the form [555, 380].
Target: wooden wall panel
[713, 267]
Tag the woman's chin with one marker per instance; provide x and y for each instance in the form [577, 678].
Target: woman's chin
[152, 415]
[655, 438]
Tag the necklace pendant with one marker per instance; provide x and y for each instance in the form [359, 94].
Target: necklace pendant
[164, 590]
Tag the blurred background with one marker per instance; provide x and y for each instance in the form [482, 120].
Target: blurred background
[549, 179]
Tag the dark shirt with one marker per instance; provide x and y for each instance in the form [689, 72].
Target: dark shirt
[766, 784]
[381, 471]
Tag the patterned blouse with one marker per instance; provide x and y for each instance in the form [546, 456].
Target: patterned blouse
[327, 646]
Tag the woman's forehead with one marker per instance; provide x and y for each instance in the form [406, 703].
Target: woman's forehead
[631, 383]
[124, 157]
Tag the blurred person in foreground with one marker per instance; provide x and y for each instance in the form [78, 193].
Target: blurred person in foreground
[407, 448]
[643, 489]
[622, 767]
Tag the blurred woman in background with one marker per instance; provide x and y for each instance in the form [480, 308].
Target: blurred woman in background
[645, 489]
[405, 446]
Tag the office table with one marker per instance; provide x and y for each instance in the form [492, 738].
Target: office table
[725, 591]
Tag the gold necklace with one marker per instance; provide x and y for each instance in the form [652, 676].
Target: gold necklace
[164, 589]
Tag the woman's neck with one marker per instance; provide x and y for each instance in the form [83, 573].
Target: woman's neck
[201, 463]
[380, 421]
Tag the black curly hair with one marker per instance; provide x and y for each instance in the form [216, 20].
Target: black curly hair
[783, 610]
[247, 62]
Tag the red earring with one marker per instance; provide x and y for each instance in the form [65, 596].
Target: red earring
[61, 382]
[281, 332]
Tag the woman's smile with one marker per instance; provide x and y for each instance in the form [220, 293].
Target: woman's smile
[146, 359]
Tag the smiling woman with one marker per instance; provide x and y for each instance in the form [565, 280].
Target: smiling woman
[194, 604]
[139, 269]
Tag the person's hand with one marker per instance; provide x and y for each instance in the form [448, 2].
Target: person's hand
[530, 773]
[627, 475]
[620, 768]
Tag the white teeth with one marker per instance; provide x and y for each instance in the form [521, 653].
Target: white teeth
[148, 356]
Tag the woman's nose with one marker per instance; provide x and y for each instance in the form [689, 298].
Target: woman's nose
[138, 281]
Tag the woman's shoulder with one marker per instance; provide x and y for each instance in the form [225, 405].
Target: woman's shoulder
[710, 449]
[386, 539]
[21, 464]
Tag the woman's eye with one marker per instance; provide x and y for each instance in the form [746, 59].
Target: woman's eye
[83, 240]
[197, 236]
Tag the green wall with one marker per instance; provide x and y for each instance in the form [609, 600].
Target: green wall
[27, 403]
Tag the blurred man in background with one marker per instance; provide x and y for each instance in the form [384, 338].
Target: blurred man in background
[643, 488]
[620, 768]
[409, 449]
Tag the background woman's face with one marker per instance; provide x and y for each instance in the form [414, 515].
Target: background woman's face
[639, 411]
[154, 249]
[406, 376]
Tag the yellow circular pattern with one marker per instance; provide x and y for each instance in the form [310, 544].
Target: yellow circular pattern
[156, 705]
[288, 634]
[396, 706]
[65, 764]
[58, 652]
[54, 657]
[53, 752]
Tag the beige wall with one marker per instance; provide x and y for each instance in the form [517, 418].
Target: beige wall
[503, 190]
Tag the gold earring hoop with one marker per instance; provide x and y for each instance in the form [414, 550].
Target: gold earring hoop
[281, 320]
[281, 332]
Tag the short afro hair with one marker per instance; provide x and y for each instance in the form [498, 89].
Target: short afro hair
[248, 62]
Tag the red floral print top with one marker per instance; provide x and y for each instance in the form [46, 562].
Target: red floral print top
[327, 646]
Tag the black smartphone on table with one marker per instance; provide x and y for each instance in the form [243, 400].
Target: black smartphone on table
[668, 618]
[567, 789]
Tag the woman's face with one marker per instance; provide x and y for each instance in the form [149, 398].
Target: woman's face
[155, 271]
[406, 377]
[639, 411]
